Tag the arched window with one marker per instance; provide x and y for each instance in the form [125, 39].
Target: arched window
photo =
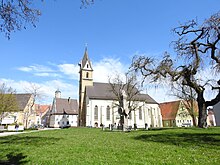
[140, 113]
[96, 113]
[87, 74]
[108, 113]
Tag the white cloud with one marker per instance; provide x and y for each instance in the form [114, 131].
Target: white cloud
[25, 69]
[48, 75]
[106, 68]
[35, 68]
[70, 70]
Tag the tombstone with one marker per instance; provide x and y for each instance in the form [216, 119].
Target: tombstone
[135, 126]
[146, 126]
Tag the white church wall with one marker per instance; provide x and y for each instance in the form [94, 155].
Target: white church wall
[101, 115]
[149, 114]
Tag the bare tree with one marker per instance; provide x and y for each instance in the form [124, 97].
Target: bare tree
[197, 48]
[33, 89]
[125, 93]
[16, 15]
[85, 3]
[8, 102]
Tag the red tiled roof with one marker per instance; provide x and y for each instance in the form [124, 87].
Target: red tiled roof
[169, 110]
[40, 109]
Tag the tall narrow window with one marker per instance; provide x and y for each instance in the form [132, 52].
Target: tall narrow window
[140, 113]
[87, 74]
[108, 113]
[96, 113]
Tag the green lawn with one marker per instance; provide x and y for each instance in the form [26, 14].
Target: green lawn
[94, 146]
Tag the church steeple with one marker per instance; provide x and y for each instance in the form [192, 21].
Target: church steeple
[86, 79]
[86, 63]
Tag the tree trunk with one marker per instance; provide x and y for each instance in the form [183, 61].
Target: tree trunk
[194, 120]
[125, 126]
[202, 123]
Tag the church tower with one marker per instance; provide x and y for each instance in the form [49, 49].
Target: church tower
[86, 79]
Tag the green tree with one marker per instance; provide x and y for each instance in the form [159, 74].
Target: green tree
[8, 102]
[197, 47]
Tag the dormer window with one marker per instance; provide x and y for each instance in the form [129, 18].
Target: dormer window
[87, 65]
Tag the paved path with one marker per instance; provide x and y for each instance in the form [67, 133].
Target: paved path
[16, 133]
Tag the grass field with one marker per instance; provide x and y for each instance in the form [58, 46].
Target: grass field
[94, 146]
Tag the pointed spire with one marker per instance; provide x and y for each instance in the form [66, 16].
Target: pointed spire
[86, 58]
[86, 45]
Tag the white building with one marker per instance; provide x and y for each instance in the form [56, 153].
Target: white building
[97, 103]
[64, 112]
[216, 109]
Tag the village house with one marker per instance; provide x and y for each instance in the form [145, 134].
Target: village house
[26, 114]
[176, 114]
[97, 103]
[179, 114]
[64, 112]
[41, 111]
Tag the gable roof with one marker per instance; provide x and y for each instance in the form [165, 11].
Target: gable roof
[41, 109]
[22, 100]
[169, 109]
[103, 91]
[66, 106]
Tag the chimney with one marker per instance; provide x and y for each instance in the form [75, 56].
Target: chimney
[57, 94]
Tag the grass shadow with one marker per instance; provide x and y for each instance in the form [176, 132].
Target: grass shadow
[28, 140]
[20, 143]
[182, 139]
[14, 158]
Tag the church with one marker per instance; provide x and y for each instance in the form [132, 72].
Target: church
[97, 103]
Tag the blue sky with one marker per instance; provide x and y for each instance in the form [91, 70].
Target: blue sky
[115, 31]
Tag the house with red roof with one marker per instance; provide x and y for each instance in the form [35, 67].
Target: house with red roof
[178, 114]
[41, 111]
